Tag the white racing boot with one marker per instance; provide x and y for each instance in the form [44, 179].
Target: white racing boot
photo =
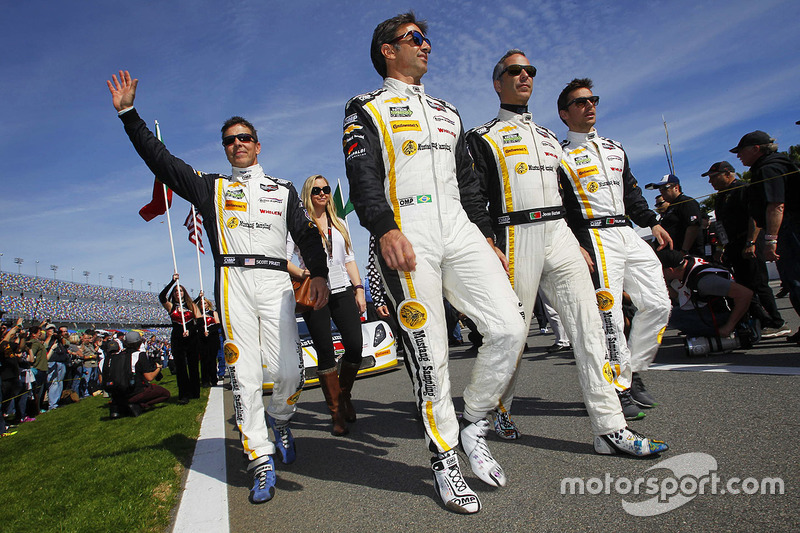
[450, 484]
[628, 441]
[473, 442]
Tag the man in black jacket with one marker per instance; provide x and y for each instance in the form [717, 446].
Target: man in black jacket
[745, 258]
[775, 207]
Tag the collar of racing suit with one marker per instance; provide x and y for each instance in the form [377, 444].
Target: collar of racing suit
[403, 87]
[577, 138]
[247, 173]
[518, 109]
[507, 115]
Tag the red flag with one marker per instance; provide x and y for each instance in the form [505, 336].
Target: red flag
[195, 224]
[156, 206]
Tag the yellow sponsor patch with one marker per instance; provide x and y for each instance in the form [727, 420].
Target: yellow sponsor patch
[294, 397]
[592, 186]
[387, 351]
[232, 222]
[588, 171]
[230, 205]
[413, 315]
[515, 150]
[507, 128]
[405, 125]
[608, 373]
[395, 100]
[409, 147]
[660, 334]
[231, 353]
[522, 168]
[604, 300]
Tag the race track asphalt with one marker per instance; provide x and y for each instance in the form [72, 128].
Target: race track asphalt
[378, 478]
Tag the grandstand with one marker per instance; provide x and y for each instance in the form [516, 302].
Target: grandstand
[34, 299]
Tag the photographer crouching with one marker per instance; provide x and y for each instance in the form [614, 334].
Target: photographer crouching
[708, 293]
[127, 376]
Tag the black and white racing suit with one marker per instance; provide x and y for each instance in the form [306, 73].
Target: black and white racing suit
[409, 169]
[246, 217]
[601, 194]
[517, 162]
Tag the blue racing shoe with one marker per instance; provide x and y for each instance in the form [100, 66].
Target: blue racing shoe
[284, 441]
[263, 481]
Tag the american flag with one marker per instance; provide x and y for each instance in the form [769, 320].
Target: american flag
[194, 222]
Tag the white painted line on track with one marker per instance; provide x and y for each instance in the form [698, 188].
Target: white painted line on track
[731, 369]
[204, 502]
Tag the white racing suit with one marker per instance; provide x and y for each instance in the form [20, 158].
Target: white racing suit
[246, 217]
[601, 194]
[409, 169]
[517, 162]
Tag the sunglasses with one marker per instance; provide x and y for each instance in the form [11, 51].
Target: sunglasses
[416, 36]
[243, 137]
[316, 191]
[516, 70]
[581, 101]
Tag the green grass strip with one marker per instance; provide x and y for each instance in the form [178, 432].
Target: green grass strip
[74, 469]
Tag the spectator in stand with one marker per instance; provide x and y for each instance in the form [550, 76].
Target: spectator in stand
[682, 217]
[57, 361]
[185, 342]
[39, 354]
[209, 341]
[345, 305]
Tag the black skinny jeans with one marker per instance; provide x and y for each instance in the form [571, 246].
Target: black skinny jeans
[186, 354]
[343, 310]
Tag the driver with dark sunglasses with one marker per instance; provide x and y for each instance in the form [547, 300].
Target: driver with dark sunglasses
[602, 198]
[246, 216]
[517, 161]
[414, 188]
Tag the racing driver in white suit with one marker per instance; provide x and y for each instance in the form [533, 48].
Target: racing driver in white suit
[601, 195]
[413, 187]
[246, 217]
[517, 162]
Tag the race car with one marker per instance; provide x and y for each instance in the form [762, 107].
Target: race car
[379, 351]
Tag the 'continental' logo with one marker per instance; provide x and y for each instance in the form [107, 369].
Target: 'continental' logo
[231, 353]
[515, 150]
[405, 125]
[294, 397]
[232, 222]
[230, 205]
[381, 353]
[604, 300]
[608, 373]
[521, 168]
[588, 171]
[592, 186]
[409, 147]
[351, 128]
[413, 315]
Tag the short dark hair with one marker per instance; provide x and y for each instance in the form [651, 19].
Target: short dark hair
[670, 258]
[239, 120]
[89, 332]
[385, 33]
[498, 68]
[577, 83]
[34, 330]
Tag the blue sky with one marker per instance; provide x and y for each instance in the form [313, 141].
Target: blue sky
[73, 185]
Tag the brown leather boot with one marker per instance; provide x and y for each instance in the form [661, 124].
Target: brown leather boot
[347, 375]
[329, 381]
